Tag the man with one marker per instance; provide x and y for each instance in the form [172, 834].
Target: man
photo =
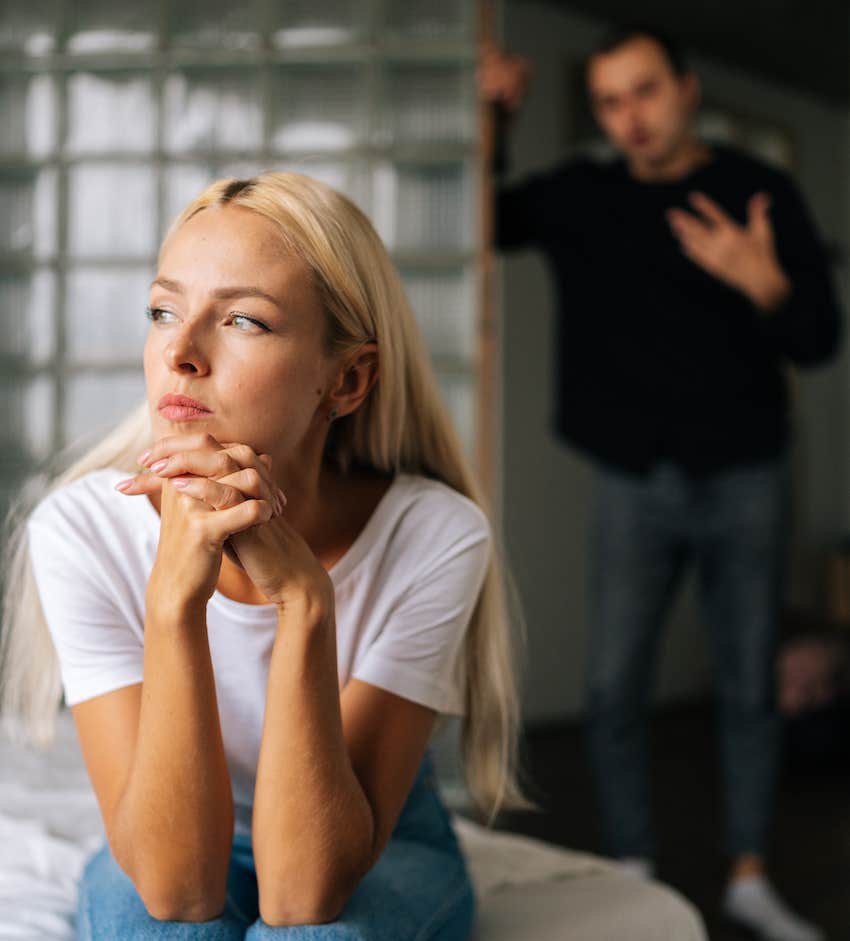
[686, 276]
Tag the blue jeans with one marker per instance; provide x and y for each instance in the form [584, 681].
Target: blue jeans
[644, 532]
[418, 890]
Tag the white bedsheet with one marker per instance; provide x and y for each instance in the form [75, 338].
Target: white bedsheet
[528, 890]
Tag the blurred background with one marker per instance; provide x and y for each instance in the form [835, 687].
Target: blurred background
[114, 113]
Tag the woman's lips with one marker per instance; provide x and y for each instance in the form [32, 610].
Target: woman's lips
[183, 412]
[175, 406]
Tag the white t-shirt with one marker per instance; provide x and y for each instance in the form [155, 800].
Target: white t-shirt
[405, 591]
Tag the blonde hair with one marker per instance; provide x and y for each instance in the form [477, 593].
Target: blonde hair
[402, 426]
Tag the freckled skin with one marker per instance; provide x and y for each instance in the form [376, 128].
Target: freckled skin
[257, 383]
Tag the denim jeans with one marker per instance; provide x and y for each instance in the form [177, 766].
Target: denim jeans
[418, 890]
[645, 531]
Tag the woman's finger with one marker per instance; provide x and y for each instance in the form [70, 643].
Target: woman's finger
[222, 495]
[248, 483]
[170, 444]
[145, 482]
[217, 462]
[223, 511]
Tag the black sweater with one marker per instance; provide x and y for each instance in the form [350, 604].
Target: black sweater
[656, 358]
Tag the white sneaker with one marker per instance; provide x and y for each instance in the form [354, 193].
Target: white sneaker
[639, 866]
[754, 902]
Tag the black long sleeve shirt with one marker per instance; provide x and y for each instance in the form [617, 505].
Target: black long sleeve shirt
[657, 359]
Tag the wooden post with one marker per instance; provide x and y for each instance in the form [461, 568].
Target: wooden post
[487, 390]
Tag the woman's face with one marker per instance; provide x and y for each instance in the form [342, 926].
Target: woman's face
[237, 325]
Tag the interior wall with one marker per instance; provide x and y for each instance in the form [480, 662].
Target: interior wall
[545, 485]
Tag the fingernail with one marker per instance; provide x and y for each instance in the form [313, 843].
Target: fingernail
[124, 484]
[158, 466]
[278, 509]
[143, 457]
[282, 496]
[180, 482]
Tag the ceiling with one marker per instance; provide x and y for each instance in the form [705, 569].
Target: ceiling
[801, 43]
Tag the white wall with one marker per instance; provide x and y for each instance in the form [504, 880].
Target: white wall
[546, 486]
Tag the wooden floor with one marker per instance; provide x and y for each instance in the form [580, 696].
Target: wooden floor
[809, 856]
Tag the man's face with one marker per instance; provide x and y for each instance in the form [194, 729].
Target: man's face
[643, 107]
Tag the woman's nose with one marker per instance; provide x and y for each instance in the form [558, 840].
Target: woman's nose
[184, 351]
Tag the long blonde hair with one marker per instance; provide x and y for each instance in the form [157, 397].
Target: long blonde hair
[402, 426]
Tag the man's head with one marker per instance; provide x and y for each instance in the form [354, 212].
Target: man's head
[642, 94]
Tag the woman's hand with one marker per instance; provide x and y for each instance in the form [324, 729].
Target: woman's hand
[232, 482]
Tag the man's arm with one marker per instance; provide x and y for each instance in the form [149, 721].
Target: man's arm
[777, 260]
[806, 325]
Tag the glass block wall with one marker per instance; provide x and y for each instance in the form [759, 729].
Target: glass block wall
[115, 112]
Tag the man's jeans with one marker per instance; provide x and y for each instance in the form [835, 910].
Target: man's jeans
[644, 531]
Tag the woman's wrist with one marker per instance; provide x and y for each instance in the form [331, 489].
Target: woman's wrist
[306, 609]
[174, 611]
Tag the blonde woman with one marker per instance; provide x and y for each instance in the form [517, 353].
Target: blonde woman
[263, 591]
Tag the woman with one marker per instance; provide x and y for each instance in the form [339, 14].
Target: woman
[259, 623]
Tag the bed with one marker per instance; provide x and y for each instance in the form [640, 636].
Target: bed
[528, 890]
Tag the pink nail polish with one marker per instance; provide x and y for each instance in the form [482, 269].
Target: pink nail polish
[123, 484]
[159, 465]
[143, 457]
[180, 482]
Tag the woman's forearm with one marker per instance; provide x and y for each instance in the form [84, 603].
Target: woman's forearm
[173, 827]
[312, 825]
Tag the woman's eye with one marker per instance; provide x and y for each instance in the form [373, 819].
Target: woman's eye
[248, 320]
[154, 314]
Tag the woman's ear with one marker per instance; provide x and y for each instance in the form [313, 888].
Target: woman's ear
[354, 382]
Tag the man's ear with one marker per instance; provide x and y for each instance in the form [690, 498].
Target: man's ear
[354, 381]
[693, 91]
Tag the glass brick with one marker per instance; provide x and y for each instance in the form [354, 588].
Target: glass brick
[431, 19]
[183, 182]
[26, 432]
[96, 402]
[211, 111]
[105, 314]
[429, 104]
[352, 178]
[106, 26]
[28, 27]
[112, 210]
[27, 308]
[215, 24]
[332, 22]
[319, 108]
[424, 208]
[27, 115]
[110, 111]
[241, 169]
[444, 305]
[28, 214]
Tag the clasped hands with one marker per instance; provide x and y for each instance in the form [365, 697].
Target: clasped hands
[742, 256]
[221, 497]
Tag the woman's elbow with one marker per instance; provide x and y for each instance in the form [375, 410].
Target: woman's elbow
[172, 901]
[174, 908]
[315, 905]
[317, 912]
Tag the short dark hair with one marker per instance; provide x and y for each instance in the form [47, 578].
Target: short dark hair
[622, 33]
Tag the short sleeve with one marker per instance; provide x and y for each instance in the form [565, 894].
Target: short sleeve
[418, 653]
[97, 649]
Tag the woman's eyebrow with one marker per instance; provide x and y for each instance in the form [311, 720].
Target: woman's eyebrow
[221, 293]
